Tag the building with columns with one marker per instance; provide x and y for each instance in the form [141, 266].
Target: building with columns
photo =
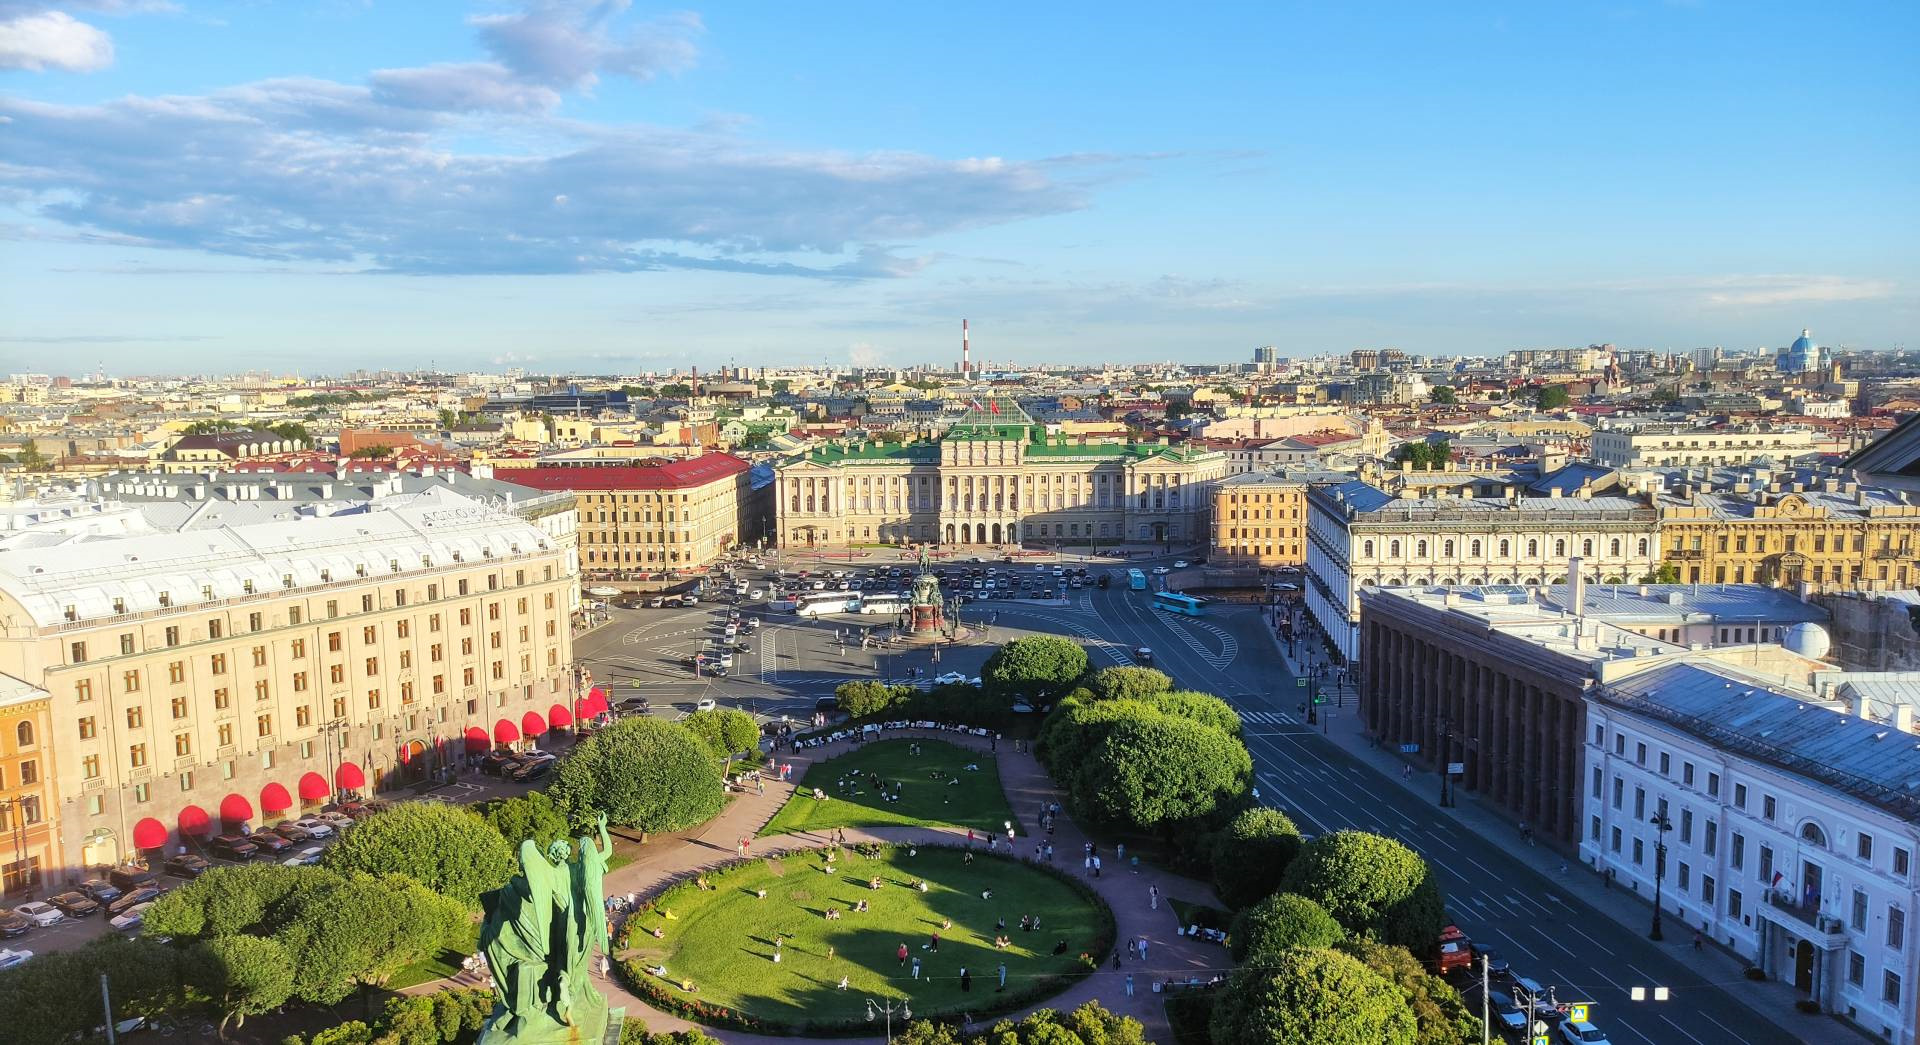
[995, 478]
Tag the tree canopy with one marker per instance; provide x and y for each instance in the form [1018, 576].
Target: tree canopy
[1425, 456]
[1440, 1015]
[727, 732]
[1375, 887]
[52, 1000]
[1128, 682]
[1553, 397]
[1039, 669]
[242, 975]
[1204, 708]
[1443, 394]
[643, 773]
[1311, 997]
[1154, 772]
[529, 816]
[1281, 921]
[447, 848]
[1251, 854]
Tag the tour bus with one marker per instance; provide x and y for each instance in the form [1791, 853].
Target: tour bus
[1136, 580]
[883, 602]
[1175, 602]
[813, 604]
[783, 603]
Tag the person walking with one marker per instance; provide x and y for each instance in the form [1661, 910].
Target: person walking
[1003, 976]
[916, 968]
[1133, 951]
[934, 944]
[966, 980]
[1143, 948]
[1129, 985]
[1153, 897]
[902, 952]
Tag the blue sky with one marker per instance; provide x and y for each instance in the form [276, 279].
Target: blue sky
[596, 187]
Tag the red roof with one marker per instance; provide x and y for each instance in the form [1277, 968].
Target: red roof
[655, 474]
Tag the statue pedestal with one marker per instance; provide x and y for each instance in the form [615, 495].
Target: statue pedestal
[925, 619]
[592, 1023]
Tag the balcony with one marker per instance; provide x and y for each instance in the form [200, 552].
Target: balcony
[1824, 930]
[1687, 553]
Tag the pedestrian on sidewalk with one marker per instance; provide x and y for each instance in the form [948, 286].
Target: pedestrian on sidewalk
[1133, 951]
[1129, 985]
[1406, 771]
[1153, 897]
[1697, 941]
[1120, 852]
[1143, 948]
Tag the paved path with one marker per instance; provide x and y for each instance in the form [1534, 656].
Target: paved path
[670, 858]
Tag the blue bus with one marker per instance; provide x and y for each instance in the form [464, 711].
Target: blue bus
[1174, 602]
[1136, 580]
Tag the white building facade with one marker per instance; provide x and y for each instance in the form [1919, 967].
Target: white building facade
[1675, 446]
[1790, 832]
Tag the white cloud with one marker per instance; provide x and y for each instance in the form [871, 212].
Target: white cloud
[53, 40]
[1762, 290]
[461, 87]
[566, 43]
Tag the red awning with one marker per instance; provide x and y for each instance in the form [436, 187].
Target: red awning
[274, 799]
[532, 724]
[236, 807]
[594, 703]
[313, 786]
[559, 716]
[504, 732]
[194, 821]
[349, 776]
[477, 739]
[150, 834]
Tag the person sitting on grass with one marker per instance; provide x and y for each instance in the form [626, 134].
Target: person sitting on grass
[833, 914]
[946, 923]
[860, 908]
[874, 883]
[1061, 947]
[1001, 942]
[659, 970]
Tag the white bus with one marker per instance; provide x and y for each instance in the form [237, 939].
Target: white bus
[883, 603]
[812, 604]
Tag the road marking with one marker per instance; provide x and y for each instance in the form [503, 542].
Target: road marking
[1677, 1027]
[1731, 1036]
[1591, 940]
[1555, 943]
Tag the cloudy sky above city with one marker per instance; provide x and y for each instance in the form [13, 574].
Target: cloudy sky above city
[609, 187]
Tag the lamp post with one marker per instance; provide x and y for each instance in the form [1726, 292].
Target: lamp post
[1446, 741]
[1662, 825]
[904, 1008]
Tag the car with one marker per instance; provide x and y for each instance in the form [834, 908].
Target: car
[128, 877]
[1180, 564]
[130, 918]
[706, 703]
[532, 769]
[1105, 580]
[234, 847]
[827, 705]
[756, 594]
[101, 890]
[726, 659]
[305, 857]
[338, 821]
[12, 924]
[135, 898]
[9, 959]
[1491, 962]
[292, 832]
[951, 678]
[269, 843]
[1286, 587]
[1143, 656]
[75, 904]
[1512, 1019]
[182, 865]
[1580, 1032]
[1161, 570]
[40, 913]
[315, 827]
[498, 763]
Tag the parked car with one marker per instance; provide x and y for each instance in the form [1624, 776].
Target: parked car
[130, 918]
[315, 827]
[9, 959]
[292, 832]
[128, 878]
[1580, 1032]
[126, 903]
[75, 904]
[13, 924]
[187, 865]
[498, 763]
[338, 821]
[40, 913]
[1179, 564]
[269, 843]
[1511, 1018]
[532, 769]
[233, 847]
[305, 857]
[1161, 570]
[706, 703]
[1491, 962]
[101, 890]
[951, 678]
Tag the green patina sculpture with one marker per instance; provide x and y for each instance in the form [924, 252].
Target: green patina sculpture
[539, 936]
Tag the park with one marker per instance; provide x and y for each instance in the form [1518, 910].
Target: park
[919, 783]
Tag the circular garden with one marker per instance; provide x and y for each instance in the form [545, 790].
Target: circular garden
[767, 944]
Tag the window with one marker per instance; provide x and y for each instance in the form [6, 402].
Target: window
[1858, 920]
[218, 663]
[130, 681]
[1639, 851]
[77, 652]
[87, 728]
[1685, 877]
[1896, 928]
[1740, 796]
[1856, 968]
[126, 645]
[1639, 803]
[90, 767]
[259, 656]
[1666, 764]
[1706, 888]
[253, 621]
[172, 633]
[333, 642]
[264, 724]
[83, 689]
[299, 682]
[182, 745]
[1598, 784]
[1863, 846]
[1619, 792]
[136, 717]
[1713, 784]
[137, 755]
[142, 792]
[1767, 807]
[176, 672]
[1734, 902]
[1900, 860]
[179, 707]
[1766, 865]
[1619, 744]
[1890, 988]
[1686, 773]
[1686, 826]
[1738, 856]
[1616, 840]
[29, 773]
[222, 699]
[224, 734]
[1639, 754]
[215, 629]
[1709, 837]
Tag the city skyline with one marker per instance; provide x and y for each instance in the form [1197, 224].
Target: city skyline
[596, 188]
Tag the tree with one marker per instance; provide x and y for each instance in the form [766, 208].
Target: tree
[862, 698]
[449, 849]
[1090, 1024]
[243, 975]
[1440, 1016]
[39, 999]
[378, 452]
[1552, 397]
[1444, 395]
[1039, 669]
[1127, 682]
[725, 731]
[1311, 997]
[1204, 708]
[32, 459]
[1076, 726]
[1281, 921]
[1667, 573]
[676, 391]
[1374, 886]
[361, 930]
[529, 816]
[293, 432]
[228, 901]
[643, 773]
[1251, 854]
[1155, 772]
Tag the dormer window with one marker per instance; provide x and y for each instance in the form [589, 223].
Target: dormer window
[119, 605]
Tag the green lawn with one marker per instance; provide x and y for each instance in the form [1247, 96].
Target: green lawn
[722, 938]
[438, 967]
[927, 797]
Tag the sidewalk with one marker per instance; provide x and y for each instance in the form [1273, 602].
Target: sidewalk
[668, 858]
[1770, 1000]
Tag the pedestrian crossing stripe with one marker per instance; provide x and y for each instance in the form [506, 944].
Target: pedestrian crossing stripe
[1267, 718]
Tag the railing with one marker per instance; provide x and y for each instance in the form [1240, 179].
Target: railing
[1809, 915]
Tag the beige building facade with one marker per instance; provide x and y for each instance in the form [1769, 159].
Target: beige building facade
[655, 514]
[1260, 521]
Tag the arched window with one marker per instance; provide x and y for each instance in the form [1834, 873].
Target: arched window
[24, 734]
[1560, 549]
[1586, 547]
[1367, 549]
[1506, 548]
[1643, 546]
[1616, 547]
[1421, 551]
[1533, 549]
[1810, 832]
[1449, 549]
[1394, 549]
[1476, 549]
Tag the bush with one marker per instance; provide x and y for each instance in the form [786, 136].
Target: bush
[1204, 708]
[1127, 682]
[727, 732]
[447, 848]
[531, 816]
[1251, 854]
[1374, 886]
[1311, 997]
[1155, 772]
[1279, 922]
[642, 773]
[1039, 669]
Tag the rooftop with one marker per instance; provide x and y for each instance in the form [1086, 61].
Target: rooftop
[645, 474]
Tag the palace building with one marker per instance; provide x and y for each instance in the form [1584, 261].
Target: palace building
[996, 478]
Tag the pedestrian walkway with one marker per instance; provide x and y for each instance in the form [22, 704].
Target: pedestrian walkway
[1769, 1000]
[670, 858]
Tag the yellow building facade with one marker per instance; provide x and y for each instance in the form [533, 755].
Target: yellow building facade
[1838, 537]
[1259, 520]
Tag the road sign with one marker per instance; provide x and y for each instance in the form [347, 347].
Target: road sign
[1409, 749]
[1300, 683]
[1577, 1011]
[1541, 1039]
[1456, 769]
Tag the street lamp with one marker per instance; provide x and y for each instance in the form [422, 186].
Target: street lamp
[1446, 740]
[1662, 825]
[904, 1008]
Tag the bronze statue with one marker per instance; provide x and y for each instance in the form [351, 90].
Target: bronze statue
[539, 936]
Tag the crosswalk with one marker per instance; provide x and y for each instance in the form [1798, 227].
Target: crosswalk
[1269, 718]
